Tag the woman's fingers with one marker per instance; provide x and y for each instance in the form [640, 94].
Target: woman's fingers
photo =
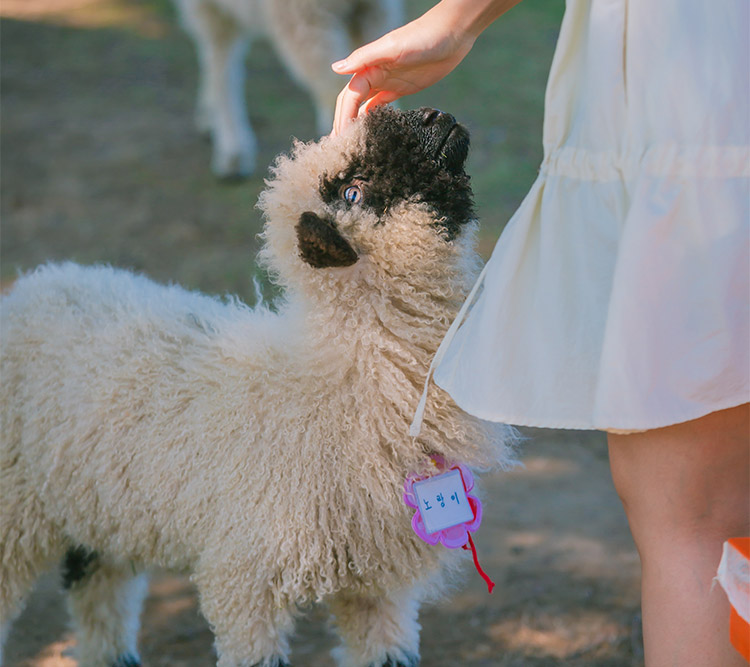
[369, 66]
[348, 102]
[380, 52]
[363, 86]
[383, 97]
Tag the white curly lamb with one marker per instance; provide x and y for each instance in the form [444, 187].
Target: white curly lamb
[264, 453]
[308, 36]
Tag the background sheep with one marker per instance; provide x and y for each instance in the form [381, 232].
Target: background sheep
[263, 452]
[308, 35]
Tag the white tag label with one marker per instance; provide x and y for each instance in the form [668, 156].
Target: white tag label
[442, 501]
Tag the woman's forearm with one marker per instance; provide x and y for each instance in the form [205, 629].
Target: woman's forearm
[472, 16]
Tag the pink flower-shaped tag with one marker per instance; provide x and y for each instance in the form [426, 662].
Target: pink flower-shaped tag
[455, 534]
[446, 512]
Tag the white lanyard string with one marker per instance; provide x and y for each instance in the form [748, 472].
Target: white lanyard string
[416, 425]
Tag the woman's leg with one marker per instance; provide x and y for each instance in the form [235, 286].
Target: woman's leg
[686, 489]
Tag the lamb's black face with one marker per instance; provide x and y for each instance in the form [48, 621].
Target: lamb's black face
[417, 156]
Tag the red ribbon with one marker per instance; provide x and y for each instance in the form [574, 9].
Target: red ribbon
[482, 573]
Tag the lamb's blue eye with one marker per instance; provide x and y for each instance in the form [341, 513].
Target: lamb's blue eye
[352, 194]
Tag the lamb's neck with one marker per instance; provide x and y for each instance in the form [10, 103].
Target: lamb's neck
[414, 321]
[381, 344]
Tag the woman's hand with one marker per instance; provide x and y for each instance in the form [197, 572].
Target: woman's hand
[400, 63]
[413, 57]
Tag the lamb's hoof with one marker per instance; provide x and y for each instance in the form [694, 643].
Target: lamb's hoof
[233, 167]
[406, 661]
[126, 660]
[232, 178]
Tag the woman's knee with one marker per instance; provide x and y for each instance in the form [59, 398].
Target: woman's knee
[686, 479]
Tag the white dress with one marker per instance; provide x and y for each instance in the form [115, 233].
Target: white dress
[617, 297]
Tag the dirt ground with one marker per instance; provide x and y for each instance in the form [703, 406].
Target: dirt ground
[100, 162]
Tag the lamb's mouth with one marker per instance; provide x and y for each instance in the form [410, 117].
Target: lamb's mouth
[446, 139]
[453, 148]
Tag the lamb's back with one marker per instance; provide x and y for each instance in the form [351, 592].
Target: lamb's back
[90, 326]
[118, 392]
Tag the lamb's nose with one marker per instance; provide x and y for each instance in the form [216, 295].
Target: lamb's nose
[429, 116]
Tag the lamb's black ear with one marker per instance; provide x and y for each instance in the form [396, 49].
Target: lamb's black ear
[320, 243]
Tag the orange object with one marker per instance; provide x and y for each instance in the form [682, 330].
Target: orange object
[734, 577]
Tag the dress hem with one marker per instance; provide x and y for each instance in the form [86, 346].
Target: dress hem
[732, 402]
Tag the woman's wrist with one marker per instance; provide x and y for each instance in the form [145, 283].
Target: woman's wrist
[471, 17]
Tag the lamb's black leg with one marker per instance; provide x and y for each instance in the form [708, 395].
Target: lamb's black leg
[78, 564]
